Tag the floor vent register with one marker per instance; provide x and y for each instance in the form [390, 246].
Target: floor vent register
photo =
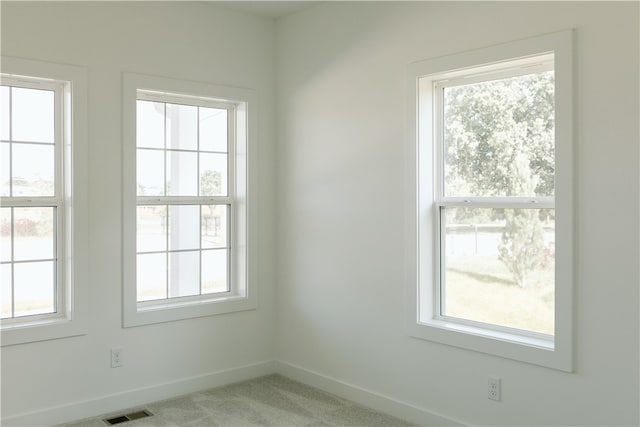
[127, 417]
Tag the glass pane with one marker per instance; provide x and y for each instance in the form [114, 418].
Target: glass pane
[4, 113]
[150, 170]
[184, 227]
[33, 170]
[182, 173]
[152, 228]
[152, 277]
[5, 234]
[32, 117]
[182, 127]
[5, 290]
[499, 137]
[34, 288]
[214, 271]
[33, 233]
[213, 174]
[213, 129]
[184, 274]
[214, 226]
[150, 124]
[5, 170]
[499, 266]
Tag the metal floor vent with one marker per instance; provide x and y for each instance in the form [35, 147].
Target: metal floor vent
[127, 417]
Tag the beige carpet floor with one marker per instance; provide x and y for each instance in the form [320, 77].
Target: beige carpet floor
[267, 401]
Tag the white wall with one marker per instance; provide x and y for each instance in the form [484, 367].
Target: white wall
[341, 151]
[340, 198]
[190, 41]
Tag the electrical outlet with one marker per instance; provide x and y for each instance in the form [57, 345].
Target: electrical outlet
[117, 359]
[494, 390]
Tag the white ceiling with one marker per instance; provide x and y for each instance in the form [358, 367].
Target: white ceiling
[270, 9]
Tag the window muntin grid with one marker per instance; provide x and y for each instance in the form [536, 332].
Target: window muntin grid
[32, 199]
[185, 197]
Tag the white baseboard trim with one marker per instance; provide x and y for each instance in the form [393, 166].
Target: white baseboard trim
[134, 398]
[377, 401]
[113, 403]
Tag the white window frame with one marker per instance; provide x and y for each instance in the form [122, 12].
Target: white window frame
[70, 200]
[425, 199]
[243, 291]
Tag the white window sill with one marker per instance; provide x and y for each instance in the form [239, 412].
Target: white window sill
[546, 344]
[140, 314]
[41, 330]
[513, 346]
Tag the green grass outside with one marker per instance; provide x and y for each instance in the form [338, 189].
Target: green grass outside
[481, 288]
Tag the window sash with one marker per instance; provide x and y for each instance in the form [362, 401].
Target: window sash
[228, 200]
[526, 66]
[197, 101]
[58, 89]
[57, 201]
[228, 248]
[440, 284]
[515, 68]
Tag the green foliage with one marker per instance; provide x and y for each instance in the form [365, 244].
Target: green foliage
[488, 125]
[211, 183]
[522, 246]
[499, 141]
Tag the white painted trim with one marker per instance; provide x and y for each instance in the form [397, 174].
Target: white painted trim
[421, 226]
[137, 397]
[244, 201]
[380, 402]
[118, 402]
[75, 258]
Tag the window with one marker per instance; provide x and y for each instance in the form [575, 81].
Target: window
[183, 200]
[186, 200]
[493, 143]
[495, 197]
[43, 201]
[31, 163]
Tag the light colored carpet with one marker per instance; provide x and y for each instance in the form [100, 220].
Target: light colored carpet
[267, 401]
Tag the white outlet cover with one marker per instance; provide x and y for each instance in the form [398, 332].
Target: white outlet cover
[117, 357]
[494, 391]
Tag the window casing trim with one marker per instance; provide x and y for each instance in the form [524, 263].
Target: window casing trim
[70, 199]
[243, 294]
[422, 233]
